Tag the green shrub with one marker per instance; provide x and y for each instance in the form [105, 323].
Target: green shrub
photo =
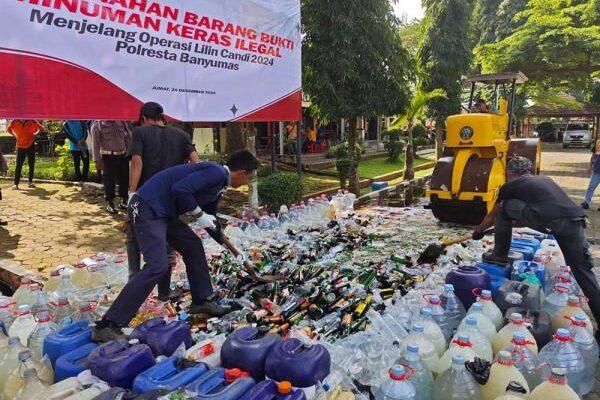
[419, 131]
[264, 170]
[422, 142]
[394, 146]
[279, 189]
[343, 170]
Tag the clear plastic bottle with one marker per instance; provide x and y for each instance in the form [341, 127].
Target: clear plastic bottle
[23, 325]
[491, 309]
[86, 312]
[516, 323]
[397, 386]
[66, 288]
[41, 303]
[9, 359]
[440, 317]
[562, 352]
[55, 277]
[33, 388]
[23, 293]
[456, 383]
[79, 278]
[63, 312]
[427, 350]
[481, 346]
[15, 380]
[455, 310]
[564, 277]
[565, 315]
[502, 373]
[556, 300]
[433, 332]
[462, 346]
[422, 378]
[3, 339]
[555, 388]
[44, 327]
[6, 315]
[525, 360]
[484, 324]
[588, 347]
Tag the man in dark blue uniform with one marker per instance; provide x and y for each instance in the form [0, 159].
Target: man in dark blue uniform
[193, 189]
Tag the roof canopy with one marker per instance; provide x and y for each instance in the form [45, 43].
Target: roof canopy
[498, 79]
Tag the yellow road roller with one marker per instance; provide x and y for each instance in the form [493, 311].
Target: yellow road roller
[466, 180]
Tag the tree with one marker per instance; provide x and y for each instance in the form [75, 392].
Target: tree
[411, 34]
[416, 109]
[444, 57]
[555, 40]
[354, 64]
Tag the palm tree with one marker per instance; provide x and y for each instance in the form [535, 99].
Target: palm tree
[416, 110]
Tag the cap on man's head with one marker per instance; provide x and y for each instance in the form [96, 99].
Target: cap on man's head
[519, 165]
[152, 110]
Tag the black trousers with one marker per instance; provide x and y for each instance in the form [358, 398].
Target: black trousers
[115, 170]
[28, 153]
[569, 234]
[78, 157]
[135, 260]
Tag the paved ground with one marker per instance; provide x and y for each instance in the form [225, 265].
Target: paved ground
[54, 224]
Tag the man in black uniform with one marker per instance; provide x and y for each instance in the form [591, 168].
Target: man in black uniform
[539, 203]
[155, 147]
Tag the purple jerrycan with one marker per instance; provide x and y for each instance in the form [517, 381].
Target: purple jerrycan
[163, 337]
[467, 278]
[119, 361]
[301, 364]
[271, 390]
[244, 350]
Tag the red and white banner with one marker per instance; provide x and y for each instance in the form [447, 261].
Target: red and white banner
[203, 60]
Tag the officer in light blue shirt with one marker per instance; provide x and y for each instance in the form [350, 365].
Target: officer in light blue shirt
[193, 189]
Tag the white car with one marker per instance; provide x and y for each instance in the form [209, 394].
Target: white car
[577, 134]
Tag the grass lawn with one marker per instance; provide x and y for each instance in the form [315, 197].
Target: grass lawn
[47, 168]
[380, 166]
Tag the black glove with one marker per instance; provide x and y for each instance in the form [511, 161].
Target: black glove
[478, 235]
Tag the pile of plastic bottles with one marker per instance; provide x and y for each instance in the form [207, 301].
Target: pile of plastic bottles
[360, 318]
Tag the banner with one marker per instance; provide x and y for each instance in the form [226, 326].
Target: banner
[202, 60]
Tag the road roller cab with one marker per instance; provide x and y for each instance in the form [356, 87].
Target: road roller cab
[465, 181]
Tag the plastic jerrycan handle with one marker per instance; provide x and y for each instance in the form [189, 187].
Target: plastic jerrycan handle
[166, 368]
[71, 329]
[115, 347]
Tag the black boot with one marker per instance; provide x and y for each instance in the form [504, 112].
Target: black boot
[490, 258]
[123, 204]
[208, 308]
[173, 295]
[110, 208]
[106, 330]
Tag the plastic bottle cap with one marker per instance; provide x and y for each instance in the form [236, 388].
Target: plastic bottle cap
[486, 293]
[413, 348]
[63, 300]
[133, 342]
[458, 359]
[397, 372]
[418, 328]
[448, 287]
[516, 317]
[519, 336]
[471, 320]
[477, 306]
[43, 317]
[284, 387]
[562, 332]
[427, 311]
[23, 309]
[580, 317]
[24, 355]
[463, 337]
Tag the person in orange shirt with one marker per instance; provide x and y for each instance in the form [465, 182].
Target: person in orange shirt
[24, 131]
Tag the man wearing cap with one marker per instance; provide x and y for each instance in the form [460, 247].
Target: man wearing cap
[155, 147]
[537, 202]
